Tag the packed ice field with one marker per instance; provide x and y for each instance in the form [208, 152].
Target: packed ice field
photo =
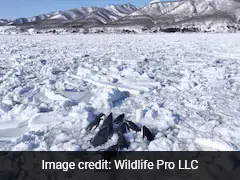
[184, 87]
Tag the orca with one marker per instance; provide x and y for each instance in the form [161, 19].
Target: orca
[123, 142]
[113, 148]
[122, 129]
[107, 121]
[95, 122]
[103, 135]
[133, 126]
[119, 119]
[147, 133]
[110, 129]
[100, 138]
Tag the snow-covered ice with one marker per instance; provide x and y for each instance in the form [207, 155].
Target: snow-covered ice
[184, 87]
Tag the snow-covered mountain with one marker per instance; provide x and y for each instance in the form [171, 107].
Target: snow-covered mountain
[187, 13]
[147, 15]
[156, 8]
[89, 14]
[198, 12]
[180, 14]
[4, 21]
[121, 10]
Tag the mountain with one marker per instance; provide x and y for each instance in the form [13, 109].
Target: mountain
[200, 15]
[121, 10]
[80, 16]
[147, 15]
[156, 8]
[198, 12]
[3, 22]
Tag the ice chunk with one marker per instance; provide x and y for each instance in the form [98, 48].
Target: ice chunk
[161, 144]
[4, 108]
[45, 119]
[139, 114]
[214, 144]
[55, 97]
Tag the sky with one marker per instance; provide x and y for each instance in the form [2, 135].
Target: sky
[11, 9]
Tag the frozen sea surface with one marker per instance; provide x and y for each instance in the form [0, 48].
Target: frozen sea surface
[184, 87]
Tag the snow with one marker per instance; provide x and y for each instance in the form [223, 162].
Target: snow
[155, 1]
[157, 8]
[121, 10]
[184, 87]
[59, 16]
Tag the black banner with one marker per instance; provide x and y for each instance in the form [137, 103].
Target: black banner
[119, 165]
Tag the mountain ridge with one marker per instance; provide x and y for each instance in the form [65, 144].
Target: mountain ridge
[159, 15]
[79, 14]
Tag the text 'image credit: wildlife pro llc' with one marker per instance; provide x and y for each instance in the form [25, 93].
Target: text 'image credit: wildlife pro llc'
[120, 75]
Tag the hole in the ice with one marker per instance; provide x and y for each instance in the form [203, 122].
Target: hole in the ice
[56, 71]
[70, 103]
[176, 118]
[117, 97]
[25, 90]
[45, 110]
[146, 60]
[120, 68]
[71, 90]
[115, 80]
[43, 61]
